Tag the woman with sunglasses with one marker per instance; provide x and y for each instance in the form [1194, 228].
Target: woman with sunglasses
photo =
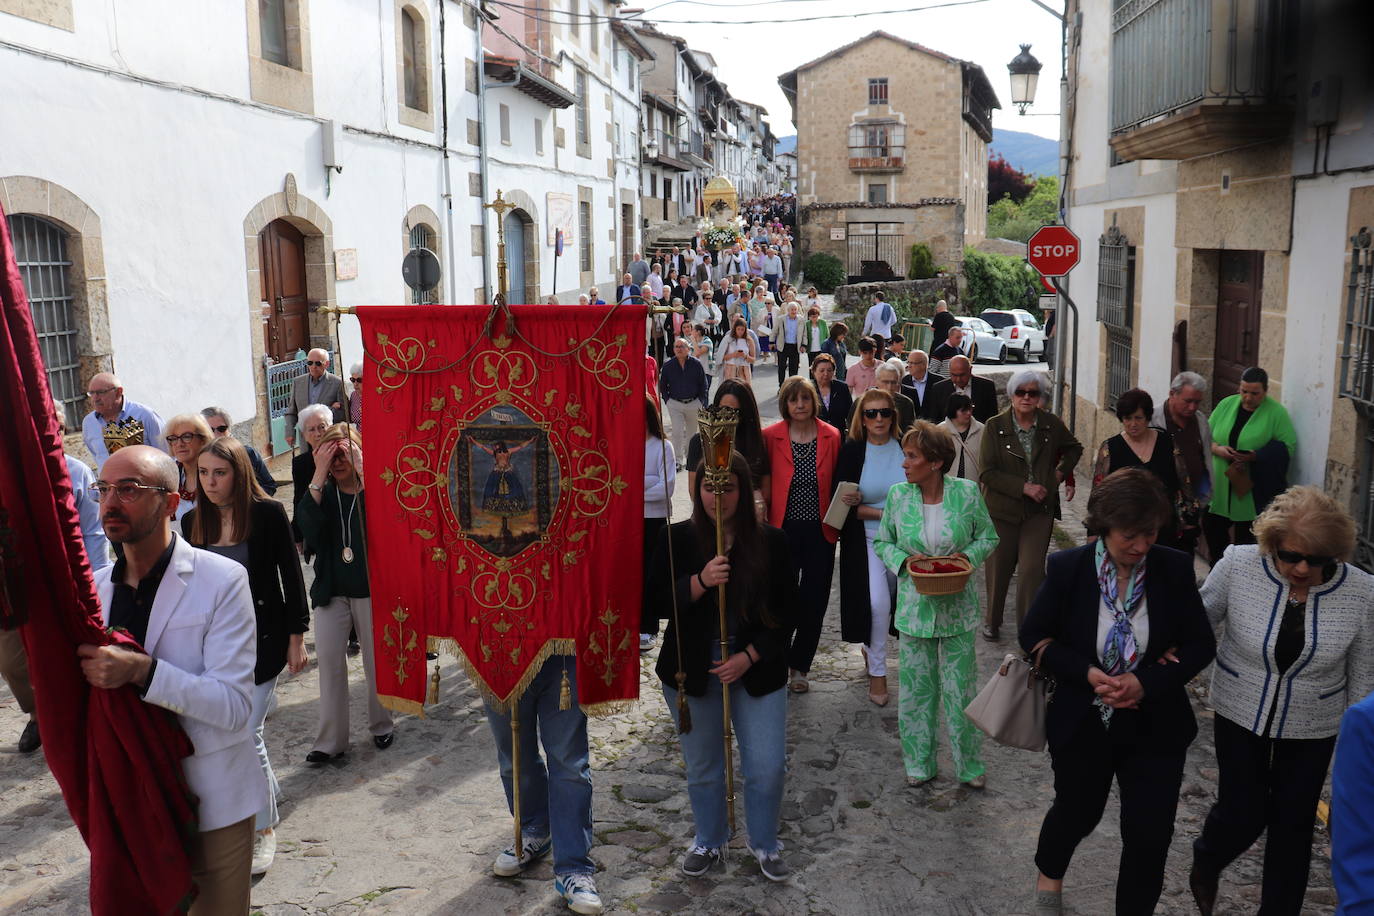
[355, 397]
[1025, 454]
[1298, 649]
[238, 520]
[871, 457]
[186, 435]
[331, 517]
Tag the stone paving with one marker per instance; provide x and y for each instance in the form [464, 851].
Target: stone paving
[413, 830]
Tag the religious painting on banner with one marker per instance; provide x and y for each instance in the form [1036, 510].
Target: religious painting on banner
[504, 459]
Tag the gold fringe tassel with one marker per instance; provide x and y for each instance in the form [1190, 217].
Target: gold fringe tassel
[433, 696]
[565, 692]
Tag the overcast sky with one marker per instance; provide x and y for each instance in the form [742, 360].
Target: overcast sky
[751, 57]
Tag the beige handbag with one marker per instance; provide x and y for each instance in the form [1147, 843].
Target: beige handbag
[1011, 706]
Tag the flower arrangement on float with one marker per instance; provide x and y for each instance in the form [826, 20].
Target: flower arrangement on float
[723, 235]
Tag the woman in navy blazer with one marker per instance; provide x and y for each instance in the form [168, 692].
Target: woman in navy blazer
[1128, 632]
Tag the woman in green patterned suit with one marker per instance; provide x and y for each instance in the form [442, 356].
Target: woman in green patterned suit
[935, 515]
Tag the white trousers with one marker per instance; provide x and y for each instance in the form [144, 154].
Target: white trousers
[881, 585]
[684, 423]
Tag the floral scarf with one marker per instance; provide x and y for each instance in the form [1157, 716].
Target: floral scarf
[1120, 653]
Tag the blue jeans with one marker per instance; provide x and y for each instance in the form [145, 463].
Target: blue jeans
[262, 698]
[559, 796]
[761, 733]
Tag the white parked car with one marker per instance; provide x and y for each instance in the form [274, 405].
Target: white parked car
[988, 345]
[1020, 329]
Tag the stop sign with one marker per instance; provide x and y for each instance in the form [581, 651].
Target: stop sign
[1053, 250]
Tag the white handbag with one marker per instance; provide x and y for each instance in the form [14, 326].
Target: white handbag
[1011, 707]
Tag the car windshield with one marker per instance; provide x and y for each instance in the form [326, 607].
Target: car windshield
[999, 319]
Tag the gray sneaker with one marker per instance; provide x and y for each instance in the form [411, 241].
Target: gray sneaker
[508, 865]
[1049, 903]
[699, 860]
[772, 865]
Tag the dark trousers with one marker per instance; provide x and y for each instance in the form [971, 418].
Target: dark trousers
[772, 280]
[648, 615]
[1148, 780]
[1221, 533]
[658, 349]
[789, 362]
[1271, 786]
[813, 558]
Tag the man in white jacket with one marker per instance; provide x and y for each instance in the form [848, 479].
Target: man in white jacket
[192, 612]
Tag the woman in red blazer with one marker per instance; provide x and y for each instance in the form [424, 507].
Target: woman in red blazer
[802, 452]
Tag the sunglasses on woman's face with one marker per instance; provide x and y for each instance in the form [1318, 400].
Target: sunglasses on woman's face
[874, 413]
[1293, 557]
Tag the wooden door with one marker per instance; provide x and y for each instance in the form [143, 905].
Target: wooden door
[627, 233]
[281, 252]
[1238, 320]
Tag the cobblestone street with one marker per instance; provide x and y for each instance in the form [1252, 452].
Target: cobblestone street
[414, 829]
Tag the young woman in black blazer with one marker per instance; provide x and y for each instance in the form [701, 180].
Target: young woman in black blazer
[237, 519]
[1128, 632]
[761, 599]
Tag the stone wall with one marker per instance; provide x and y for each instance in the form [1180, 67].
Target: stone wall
[922, 293]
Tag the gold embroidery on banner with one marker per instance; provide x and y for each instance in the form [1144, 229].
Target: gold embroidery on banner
[401, 641]
[503, 591]
[609, 644]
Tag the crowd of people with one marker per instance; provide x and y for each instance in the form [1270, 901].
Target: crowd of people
[885, 458]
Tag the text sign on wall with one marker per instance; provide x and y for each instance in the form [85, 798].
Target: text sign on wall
[837, 234]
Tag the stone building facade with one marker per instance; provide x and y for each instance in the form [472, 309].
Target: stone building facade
[891, 150]
[1217, 225]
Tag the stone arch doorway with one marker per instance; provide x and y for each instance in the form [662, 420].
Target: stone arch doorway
[528, 215]
[516, 222]
[301, 222]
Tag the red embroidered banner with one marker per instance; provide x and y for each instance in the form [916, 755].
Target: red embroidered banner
[504, 465]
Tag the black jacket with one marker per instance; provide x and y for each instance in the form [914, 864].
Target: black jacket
[984, 399]
[855, 610]
[274, 578]
[909, 389]
[699, 618]
[302, 472]
[841, 402]
[1066, 608]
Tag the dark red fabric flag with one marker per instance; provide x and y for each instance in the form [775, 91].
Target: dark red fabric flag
[116, 758]
[504, 461]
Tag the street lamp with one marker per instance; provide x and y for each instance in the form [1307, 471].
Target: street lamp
[1025, 73]
[651, 145]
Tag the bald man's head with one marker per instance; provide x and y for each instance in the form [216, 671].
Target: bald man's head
[149, 511]
[107, 395]
[316, 362]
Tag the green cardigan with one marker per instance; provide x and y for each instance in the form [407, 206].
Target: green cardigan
[901, 535]
[1269, 422]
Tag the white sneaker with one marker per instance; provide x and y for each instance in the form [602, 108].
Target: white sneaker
[579, 892]
[507, 865]
[264, 851]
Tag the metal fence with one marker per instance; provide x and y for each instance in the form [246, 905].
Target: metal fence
[870, 246]
[280, 379]
[1169, 54]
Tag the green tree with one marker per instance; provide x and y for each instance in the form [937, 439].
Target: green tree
[922, 263]
[997, 281]
[1018, 222]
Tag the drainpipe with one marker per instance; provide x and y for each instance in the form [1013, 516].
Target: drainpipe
[482, 163]
[448, 176]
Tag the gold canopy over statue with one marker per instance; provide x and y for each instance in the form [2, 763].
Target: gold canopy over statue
[721, 200]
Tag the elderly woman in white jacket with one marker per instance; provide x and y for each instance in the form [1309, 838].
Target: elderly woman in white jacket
[1298, 648]
[967, 434]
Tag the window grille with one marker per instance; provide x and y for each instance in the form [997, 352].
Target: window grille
[422, 237]
[583, 134]
[584, 236]
[1116, 307]
[1357, 382]
[877, 91]
[40, 250]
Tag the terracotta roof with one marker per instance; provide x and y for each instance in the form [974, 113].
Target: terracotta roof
[879, 33]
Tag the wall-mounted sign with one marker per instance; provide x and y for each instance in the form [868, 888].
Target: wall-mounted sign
[345, 263]
[562, 210]
[837, 234]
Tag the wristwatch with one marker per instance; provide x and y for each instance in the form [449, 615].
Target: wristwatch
[317, 488]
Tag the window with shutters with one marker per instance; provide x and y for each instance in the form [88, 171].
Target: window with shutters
[584, 133]
[584, 235]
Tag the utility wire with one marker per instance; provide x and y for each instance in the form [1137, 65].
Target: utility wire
[578, 18]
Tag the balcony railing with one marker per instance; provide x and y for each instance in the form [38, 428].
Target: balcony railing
[1191, 77]
[877, 158]
[667, 143]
